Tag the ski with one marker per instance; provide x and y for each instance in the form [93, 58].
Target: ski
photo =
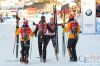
[56, 31]
[14, 45]
[17, 36]
[63, 38]
[31, 47]
[64, 10]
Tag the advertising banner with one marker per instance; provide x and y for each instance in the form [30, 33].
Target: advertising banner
[88, 9]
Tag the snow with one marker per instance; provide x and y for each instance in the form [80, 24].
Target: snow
[88, 49]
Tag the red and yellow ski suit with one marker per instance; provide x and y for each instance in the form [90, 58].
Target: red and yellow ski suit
[67, 29]
[19, 32]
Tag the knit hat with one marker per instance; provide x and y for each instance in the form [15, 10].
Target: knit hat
[51, 19]
[25, 22]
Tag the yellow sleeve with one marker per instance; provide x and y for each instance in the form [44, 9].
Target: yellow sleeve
[67, 28]
[78, 28]
[18, 31]
[31, 33]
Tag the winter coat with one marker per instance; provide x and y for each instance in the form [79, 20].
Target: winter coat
[46, 28]
[20, 31]
[68, 29]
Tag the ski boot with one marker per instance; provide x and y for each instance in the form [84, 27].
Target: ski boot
[56, 56]
[22, 59]
[26, 59]
[41, 58]
[44, 60]
[71, 59]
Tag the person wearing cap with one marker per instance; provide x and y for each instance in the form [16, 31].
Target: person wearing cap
[52, 35]
[41, 29]
[72, 29]
[25, 34]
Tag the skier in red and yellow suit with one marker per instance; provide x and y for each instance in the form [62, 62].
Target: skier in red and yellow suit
[72, 37]
[25, 32]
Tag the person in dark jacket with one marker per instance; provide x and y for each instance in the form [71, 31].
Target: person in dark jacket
[42, 28]
[52, 35]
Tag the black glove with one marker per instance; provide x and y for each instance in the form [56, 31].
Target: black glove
[63, 26]
[80, 32]
[34, 23]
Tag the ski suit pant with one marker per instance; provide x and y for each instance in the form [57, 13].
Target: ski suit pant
[42, 45]
[53, 38]
[72, 47]
[25, 46]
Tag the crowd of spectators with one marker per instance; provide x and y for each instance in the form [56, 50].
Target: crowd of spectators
[98, 10]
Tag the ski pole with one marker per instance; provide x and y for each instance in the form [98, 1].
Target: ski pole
[31, 47]
[17, 44]
[17, 36]
[31, 42]
[14, 45]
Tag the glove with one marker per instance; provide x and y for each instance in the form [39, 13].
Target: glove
[33, 23]
[80, 32]
[63, 26]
